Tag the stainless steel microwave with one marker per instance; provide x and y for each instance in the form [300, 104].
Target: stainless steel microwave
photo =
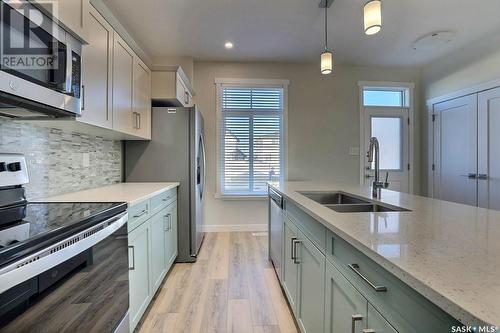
[40, 67]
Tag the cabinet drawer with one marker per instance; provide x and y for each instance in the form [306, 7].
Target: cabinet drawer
[138, 213]
[162, 200]
[408, 310]
[314, 230]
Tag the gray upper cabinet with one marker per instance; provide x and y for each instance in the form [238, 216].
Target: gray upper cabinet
[142, 100]
[171, 87]
[97, 73]
[311, 290]
[290, 268]
[71, 14]
[345, 307]
[123, 83]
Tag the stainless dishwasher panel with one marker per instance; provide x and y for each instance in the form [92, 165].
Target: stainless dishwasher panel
[276, 230]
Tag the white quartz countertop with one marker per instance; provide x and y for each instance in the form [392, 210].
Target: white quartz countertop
[448, 252]
[131, 193]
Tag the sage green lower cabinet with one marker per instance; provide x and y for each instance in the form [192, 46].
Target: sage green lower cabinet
[377, 323]
[140, 292]
[152, 249]
[158, 248]
[290, 267]
[345, 307]
[334, 288]
[311, 286]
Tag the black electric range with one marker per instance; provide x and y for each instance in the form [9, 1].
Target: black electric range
[63, 266]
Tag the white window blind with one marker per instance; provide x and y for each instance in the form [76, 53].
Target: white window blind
[251, 144]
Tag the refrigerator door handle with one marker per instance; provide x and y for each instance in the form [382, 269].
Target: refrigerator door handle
[204, 165]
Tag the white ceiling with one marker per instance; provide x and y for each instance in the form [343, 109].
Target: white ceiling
[292, 30]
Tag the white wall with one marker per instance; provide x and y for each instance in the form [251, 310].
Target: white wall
[323, 122]
[477, 63]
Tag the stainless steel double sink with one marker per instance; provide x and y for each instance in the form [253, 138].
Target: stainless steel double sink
[347, 203]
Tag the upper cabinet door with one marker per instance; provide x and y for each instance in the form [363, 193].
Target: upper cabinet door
[72, 14]
[455, 150]
[489, 149]
[97, 73]
[123, 85]
[142, 99]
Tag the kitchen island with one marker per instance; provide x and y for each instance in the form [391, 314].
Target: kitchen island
[446, 252]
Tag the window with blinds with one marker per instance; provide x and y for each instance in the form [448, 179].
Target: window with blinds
[251, 139]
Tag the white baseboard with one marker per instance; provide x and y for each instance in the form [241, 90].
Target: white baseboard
[235, 227]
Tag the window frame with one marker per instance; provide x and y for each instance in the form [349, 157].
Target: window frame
[248, 83]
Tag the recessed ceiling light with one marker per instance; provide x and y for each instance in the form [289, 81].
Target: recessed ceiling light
[229, 45]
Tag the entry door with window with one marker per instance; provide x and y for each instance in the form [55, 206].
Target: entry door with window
[390, 127]
[386, 117]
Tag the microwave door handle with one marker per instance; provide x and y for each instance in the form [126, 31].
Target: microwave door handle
[69, 69]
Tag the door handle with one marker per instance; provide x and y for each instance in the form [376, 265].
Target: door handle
[133, 258]
[482, 176]
[168, 222]
[144, 211]
[292, 251]
[355, 318]
[83, 97]
[138, 120]
[296, 259]
[69, 69]
[471, 175]
[355, 268]
[368, 330]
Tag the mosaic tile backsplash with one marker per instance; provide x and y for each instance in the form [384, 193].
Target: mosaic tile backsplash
[57, 160]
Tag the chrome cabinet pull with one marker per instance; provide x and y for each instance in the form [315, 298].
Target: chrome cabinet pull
[83, 97]
[130, 247]
[368, 330]
[138, 121]
[144, 211]
[471, 175]
[169, 221]
[482, 176]
[355, 268]
[292, 256]
[355, 318]
[296, 259]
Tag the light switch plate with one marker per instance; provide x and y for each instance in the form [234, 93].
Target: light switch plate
[354, 151]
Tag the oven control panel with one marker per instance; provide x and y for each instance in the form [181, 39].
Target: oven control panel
[13, 170]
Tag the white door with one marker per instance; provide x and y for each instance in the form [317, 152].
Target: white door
[489, 149]
[455, 150]
[390, 126]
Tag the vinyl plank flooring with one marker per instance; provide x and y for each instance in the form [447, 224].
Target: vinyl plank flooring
[231, 288]
[239, 319]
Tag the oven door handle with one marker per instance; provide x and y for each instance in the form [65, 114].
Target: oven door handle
[51, 256]
[69, 69]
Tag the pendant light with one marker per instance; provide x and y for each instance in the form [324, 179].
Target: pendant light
[373, 17]
[326, 56]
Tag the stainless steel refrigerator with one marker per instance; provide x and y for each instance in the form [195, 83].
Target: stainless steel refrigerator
[175, 153]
